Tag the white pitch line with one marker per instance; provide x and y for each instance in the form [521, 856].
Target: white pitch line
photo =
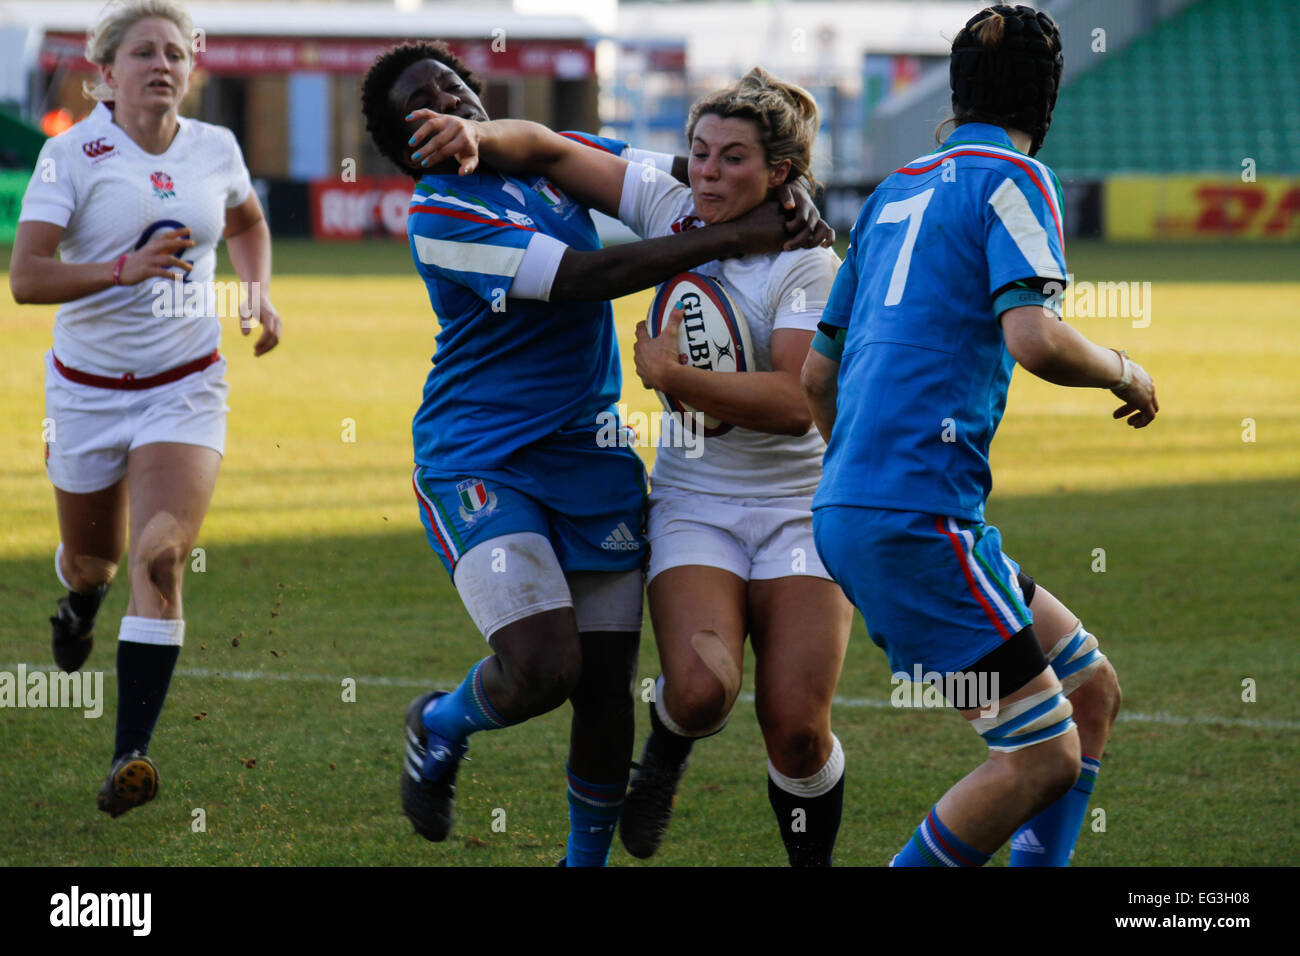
[304, 678]
[210, 673]
[1159, 717]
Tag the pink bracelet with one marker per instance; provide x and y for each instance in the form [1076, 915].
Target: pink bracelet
[117, 269]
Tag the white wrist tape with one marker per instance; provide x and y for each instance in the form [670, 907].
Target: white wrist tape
[1126, 373]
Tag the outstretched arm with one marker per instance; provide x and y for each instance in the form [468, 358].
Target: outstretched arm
[619, 270]
[592, 176]
[1057, 353]
[595, 178]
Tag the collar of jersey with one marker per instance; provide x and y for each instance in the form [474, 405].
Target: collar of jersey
[101, 113]
[984, 134]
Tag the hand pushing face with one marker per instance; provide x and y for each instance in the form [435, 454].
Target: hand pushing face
[728, 168]
[431, 85]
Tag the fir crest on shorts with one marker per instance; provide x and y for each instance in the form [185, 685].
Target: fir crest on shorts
[475, 500]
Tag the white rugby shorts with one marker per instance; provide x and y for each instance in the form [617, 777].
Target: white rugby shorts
[755, 539]
[89, 430]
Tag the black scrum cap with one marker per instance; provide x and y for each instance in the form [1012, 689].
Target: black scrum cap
[1014, 81]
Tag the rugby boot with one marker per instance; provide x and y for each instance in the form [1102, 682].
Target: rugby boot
[73, 637]
[132, 781]
[651, 793]
[429, 774]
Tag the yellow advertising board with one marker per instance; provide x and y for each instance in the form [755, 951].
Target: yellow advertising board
[1202, 207]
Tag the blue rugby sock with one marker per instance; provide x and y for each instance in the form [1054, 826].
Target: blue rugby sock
[933, 844]
[466, 709]
[593, 816]
[1048, 839]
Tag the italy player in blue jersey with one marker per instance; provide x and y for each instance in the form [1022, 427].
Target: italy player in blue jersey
[539, 525]
[949, 281]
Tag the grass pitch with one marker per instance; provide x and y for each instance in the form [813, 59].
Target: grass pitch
[316, 570]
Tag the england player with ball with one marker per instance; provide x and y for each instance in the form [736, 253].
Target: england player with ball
[134, 199]
[732, 550]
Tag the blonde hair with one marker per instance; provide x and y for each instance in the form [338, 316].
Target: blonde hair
[119, 16]
[785, 114]
[991, 29]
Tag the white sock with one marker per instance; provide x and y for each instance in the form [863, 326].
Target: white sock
[666, 719]
[820, 782]
[58, 567]
[151, 630]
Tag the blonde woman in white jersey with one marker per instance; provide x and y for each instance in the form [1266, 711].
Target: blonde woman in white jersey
[134, 200]
[731, 543]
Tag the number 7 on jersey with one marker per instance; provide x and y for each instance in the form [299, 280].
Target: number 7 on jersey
[910, 210]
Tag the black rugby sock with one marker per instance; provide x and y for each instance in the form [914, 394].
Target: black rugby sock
[808, 825]
[86, 604]
[663, 743]
[144, 672]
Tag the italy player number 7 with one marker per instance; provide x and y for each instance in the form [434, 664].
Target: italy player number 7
[910, 210]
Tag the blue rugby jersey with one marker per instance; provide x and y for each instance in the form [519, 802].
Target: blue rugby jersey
[507, 372]
[925, 370]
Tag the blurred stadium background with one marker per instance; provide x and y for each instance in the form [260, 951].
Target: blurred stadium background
[1165, 102]
[1177, 138]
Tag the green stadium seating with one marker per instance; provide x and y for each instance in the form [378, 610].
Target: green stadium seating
[1212, 85]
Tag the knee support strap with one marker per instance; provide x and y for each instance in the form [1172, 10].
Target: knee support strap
[1030, 721]
[1074, 658]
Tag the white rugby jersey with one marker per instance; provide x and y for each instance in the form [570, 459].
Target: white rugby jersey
[778, 290]
[112, 197]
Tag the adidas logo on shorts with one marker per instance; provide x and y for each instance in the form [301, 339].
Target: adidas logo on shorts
[621, 539]
[1027, 842]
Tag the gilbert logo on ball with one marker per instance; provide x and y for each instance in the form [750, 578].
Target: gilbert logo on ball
[713, 335]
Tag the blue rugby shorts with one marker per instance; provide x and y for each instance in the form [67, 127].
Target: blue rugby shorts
[589, 501]
[934, 591]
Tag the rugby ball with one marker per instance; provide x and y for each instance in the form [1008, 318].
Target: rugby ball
[713, 335]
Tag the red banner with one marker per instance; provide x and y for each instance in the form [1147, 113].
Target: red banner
[243, 56]
[371, 206]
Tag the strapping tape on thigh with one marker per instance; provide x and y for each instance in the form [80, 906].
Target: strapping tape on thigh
[1074, 658]
[1038, 717]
